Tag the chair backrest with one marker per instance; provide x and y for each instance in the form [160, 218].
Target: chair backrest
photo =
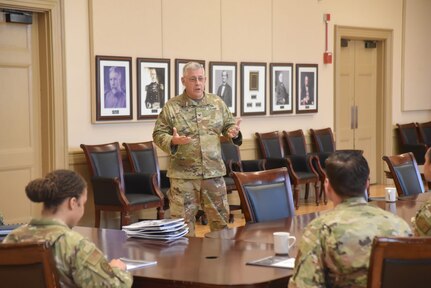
[405, 172]
[270, 144]
[408, 133]
[28, 264]
[229, 151]
[322, 140]
[400, 262]
[295, 141]
[143, 157]
[425, 132]
[265, 195]
[104, 160]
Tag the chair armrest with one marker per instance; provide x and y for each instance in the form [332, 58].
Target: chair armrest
[418, 151]
[108, 191]
[164, 179]
[253, 165]
[272, 163]
[140, 183]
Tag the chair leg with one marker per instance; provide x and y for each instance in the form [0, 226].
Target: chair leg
[296, 196]
[97, 218]
[322, 192]
[231, 218]
[317, 192]
[160, 213]
[125, 218]
[307, 190]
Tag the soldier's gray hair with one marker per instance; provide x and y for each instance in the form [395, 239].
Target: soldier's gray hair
[192, 66]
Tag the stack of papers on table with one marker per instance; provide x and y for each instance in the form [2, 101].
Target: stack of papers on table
[275, 261]
[164, 229]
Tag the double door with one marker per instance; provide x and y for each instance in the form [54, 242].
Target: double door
[357, 102]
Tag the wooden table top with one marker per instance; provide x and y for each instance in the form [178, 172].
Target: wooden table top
[192, 262]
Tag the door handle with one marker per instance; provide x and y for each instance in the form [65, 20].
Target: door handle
[356, 117]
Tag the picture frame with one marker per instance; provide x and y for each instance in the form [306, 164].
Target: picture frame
[222, 82]
[307, 88]
[281, 88]
[179, 65]
[113, 88]
[253, 88]
[153, 86]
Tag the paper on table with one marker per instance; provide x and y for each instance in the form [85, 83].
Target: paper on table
[275, 261]
[132, 264]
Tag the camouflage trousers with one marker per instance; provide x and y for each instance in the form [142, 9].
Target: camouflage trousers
[187, 195]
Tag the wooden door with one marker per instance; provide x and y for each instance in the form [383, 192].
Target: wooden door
[356, 102]
[20, 148]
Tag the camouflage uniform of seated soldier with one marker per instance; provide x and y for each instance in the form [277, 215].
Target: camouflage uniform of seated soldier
[335, 248]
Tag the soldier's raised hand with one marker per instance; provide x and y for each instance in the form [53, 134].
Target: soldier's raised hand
[234, 130]
[179, 140]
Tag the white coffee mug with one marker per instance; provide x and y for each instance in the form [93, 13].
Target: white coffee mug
[391, 194]
[283, 242]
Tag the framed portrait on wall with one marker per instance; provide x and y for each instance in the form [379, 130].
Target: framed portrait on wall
[253, 86]
[281, 87]
[113, 88]
[179, 65]
[306, 88]
[153, 86]
[222, 82]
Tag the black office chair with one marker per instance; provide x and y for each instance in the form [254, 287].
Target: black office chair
[400, 262]
[323, 143]
[301, 172]
[265, 195]
[115, 190]
[143, 159]
[232, 159]
[295, 141]
[29, 264]
[409, 141]
[425, 132]
[405, 173]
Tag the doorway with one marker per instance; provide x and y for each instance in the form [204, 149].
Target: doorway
[362, 94]
[34, 118]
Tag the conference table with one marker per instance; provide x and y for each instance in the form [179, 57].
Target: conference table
[191, 262]
[219, 259]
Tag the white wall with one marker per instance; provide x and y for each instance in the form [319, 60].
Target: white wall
[216, 30]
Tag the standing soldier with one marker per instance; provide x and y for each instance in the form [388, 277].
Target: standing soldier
[188, 129]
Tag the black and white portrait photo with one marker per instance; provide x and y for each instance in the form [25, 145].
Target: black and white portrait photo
[223, 82]
[153, 86]
[113, 88]
[281, 88]
[306, 88]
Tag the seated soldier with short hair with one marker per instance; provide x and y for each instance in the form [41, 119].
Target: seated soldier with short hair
[422, 220]
[335, 248]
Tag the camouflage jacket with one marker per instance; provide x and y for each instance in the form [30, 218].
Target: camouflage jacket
[79, 262]
[204, 121]
[422, 221]
[335, 248]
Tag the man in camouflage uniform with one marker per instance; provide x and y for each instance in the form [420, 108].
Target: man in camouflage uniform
[335, 248]
[422, 220]
[188, 129]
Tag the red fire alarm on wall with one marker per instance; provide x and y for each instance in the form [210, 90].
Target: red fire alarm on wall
[327, 56]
